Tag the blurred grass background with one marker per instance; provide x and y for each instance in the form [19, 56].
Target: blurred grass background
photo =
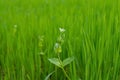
[92, 37]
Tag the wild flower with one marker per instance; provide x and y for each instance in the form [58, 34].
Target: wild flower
[60, 41]
[62, 30]
[61, 37]
[58, 49]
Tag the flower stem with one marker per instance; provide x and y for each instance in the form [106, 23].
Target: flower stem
[63, 68]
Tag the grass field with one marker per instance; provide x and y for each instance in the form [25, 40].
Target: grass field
[92, 37]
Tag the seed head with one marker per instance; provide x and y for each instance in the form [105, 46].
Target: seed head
[41, 40]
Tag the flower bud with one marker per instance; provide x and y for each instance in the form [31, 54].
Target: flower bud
[57, 48]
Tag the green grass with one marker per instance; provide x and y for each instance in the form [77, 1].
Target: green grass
[92, 37]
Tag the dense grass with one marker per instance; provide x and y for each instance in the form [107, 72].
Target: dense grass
[92, 37]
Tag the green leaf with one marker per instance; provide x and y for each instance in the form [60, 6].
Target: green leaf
[47, 77]
[67, 61]
[55, 61]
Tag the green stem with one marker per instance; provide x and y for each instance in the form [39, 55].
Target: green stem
[65, 73]
[63, 68]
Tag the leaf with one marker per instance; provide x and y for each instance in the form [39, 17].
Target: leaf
[55, 61]
[28, 77]
[47, 77]
[67, 61]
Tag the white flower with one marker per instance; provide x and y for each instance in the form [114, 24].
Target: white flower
[62, 30]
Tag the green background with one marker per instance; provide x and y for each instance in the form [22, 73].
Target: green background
[92, 37]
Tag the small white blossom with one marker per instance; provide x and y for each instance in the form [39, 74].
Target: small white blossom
[62, 30]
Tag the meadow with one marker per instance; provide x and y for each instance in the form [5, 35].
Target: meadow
[29, 30]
